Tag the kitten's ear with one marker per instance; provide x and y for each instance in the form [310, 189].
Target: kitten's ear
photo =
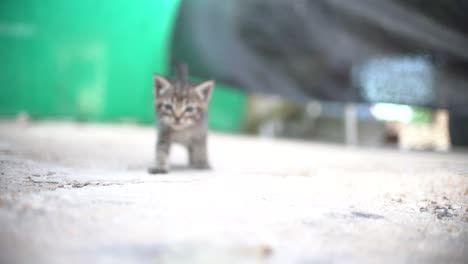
[161, 85]
[204, 90]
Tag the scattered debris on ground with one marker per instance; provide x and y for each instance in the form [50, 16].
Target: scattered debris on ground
[80, 193]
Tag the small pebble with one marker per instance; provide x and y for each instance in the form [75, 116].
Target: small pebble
[455, 206]
[265, 250]
[442, 215]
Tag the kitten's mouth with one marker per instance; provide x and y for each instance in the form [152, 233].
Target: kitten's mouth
[178, 126]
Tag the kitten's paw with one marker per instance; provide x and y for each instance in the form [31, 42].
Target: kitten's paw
[201, 166]
[156, 170]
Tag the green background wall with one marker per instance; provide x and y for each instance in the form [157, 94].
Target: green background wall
[92, 60]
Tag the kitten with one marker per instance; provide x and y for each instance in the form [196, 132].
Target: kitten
[182, 109]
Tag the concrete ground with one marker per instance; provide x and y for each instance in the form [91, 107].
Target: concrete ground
[79, 193]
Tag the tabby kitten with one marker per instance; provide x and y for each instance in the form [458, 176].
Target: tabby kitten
[182, 109]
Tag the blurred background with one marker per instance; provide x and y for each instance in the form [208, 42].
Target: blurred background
[385, 73]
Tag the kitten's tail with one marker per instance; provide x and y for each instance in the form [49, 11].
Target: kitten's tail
[180, 70]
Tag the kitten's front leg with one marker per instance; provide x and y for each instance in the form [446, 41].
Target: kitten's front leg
[162, 158]
[198, 155]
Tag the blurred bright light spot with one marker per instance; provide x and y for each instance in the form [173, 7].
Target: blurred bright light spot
[392, 112]
[406, 80]
[313, 109]
[17, 29]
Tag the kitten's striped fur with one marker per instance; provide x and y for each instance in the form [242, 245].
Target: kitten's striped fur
[182, 109]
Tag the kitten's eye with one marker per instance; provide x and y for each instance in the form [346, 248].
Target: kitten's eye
[168, 107]
[189, 109]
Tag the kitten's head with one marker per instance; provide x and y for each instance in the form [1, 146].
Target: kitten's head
[180, 104]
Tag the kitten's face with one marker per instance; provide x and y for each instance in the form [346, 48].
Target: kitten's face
[179, 104]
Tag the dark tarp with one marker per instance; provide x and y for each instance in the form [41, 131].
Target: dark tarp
[402, 51]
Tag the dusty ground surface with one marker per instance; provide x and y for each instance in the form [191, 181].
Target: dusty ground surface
[74, 193]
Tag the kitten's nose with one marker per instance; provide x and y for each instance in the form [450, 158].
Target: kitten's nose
[177, 119]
